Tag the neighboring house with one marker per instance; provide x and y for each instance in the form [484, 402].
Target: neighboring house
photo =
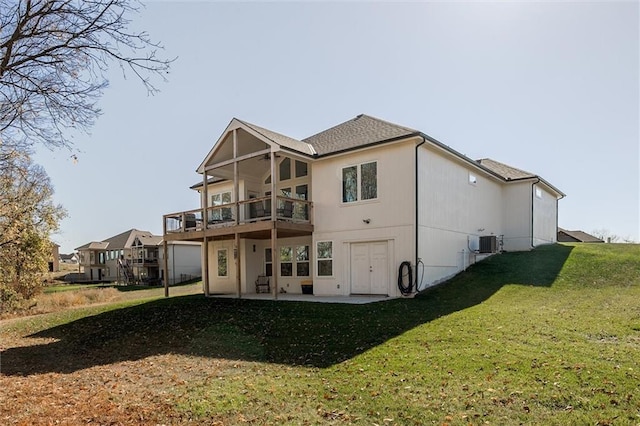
[70, 259]
[134, 256]
[345, 208]
[145, 258]
[565, 236]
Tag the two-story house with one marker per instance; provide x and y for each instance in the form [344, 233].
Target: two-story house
[349, 207]
[135, 256]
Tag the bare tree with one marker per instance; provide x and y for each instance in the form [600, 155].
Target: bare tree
[605, 235]
[53, 59]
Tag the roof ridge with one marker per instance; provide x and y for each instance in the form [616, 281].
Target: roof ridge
[357, 117]
[388, 122]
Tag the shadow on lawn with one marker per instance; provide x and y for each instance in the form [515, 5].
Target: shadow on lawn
[294, 333]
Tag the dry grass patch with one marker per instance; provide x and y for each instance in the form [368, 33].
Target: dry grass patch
[57, 301]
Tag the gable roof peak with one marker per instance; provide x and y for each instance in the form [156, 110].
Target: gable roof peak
[357, 132]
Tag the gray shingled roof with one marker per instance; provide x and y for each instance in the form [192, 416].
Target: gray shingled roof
[360, 131]
[211, 180]
[505, 171]
[125, 239]
[94, 245]
[580, 236]
[282, 140]
[149, 240]
[119, 241]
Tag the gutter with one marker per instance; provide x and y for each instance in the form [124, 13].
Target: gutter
[557, 201]
[532, 200]
[417, 206]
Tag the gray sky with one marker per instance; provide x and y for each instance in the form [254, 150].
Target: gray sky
[551, 88]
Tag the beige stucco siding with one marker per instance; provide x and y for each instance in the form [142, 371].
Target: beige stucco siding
[517, 216]
[454, 211]
[254, 264]
[390, 216]
[545, 230]
[518, 223]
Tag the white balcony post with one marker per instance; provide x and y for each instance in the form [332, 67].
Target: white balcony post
[236, 184]
[274, 196]
[205, 200]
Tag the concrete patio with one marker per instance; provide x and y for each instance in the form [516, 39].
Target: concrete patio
[287, 297]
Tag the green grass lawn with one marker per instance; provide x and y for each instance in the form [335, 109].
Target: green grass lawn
[544, 337]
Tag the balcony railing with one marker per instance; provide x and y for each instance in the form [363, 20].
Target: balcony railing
[241, 212]
[145, 261]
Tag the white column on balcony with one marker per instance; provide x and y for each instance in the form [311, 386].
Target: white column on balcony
[236, 255]
[236, 191]
[274, 195]
[205, 241]
[205, 200]
[236, 184]
[275, 258]
[205, 265]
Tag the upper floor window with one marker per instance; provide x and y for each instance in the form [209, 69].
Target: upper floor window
[285, 169]
[224, 213]
[301, 169]
[221, 198]
[360, 182]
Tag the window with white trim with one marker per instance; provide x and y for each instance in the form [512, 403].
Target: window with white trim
[268, 262]
[302, 261]
[223, 270]
[220, 199]
[324, 256]
[286, 262]
[360, 182]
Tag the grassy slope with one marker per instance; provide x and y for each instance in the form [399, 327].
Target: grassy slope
[547, 337]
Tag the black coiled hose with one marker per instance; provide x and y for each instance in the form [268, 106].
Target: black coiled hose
[408, 288]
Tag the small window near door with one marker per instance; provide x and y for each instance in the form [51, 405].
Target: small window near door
[268, 263]
[222, 263]
[302, 261]
[286, 264]
[325, 258]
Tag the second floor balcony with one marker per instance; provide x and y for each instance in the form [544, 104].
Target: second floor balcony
[244, 212]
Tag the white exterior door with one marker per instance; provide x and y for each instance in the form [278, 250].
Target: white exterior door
[369, 268]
